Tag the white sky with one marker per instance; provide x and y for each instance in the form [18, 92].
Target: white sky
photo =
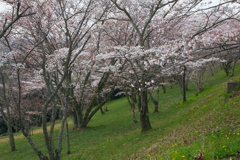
[214, 2]
[3, 6]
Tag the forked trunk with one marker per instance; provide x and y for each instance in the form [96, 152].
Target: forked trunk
[77, 116]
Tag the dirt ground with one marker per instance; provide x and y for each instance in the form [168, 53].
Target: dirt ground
[35, 131]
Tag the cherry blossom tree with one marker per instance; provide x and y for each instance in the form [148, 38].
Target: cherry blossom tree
[58, 27]
[130, 12]
[8, 21]
[6, 112]
[73, 53]
[198, 70]
[216, 30]
[206, 32]
[18, 11]
[180, 37]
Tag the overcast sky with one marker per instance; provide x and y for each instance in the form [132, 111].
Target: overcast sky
[213, 2]
[2, 6]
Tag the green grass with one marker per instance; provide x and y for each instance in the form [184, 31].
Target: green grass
[208, 123]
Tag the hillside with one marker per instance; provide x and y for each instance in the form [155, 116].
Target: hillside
[206, 125]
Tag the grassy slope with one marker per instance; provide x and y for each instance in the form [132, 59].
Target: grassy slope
[208, 123]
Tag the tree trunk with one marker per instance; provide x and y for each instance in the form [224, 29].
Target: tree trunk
[133, 113]
[132, 100]
[58, 151]
[47, 135]
[10, 130]
[38, 152]
[77, 116]
[233, 67]
[144, 112]
[74, 119]
[155, 101]
[7, 118]
[39, 120]
[67, 138]
[89, 113]
[164, 88]
[102, 112]
[11, 137]
[226, 67]
[184, 84]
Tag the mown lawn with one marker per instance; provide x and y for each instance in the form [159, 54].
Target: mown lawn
[208, 124]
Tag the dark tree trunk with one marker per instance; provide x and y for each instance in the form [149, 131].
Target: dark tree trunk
[102, 112]
[38, 152]
[47, 135]
[11, 137]
[39, 120]
[74, 119]
[143, 111]
[10, 130]
[132, 100]
[184, 84]
[58, 150]
[67, 138]
[77, 116]
[226, 67]
[164, 88]
[233, 67]
[155, 101]
[7, 118]
[90, 111]
[133, 114]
